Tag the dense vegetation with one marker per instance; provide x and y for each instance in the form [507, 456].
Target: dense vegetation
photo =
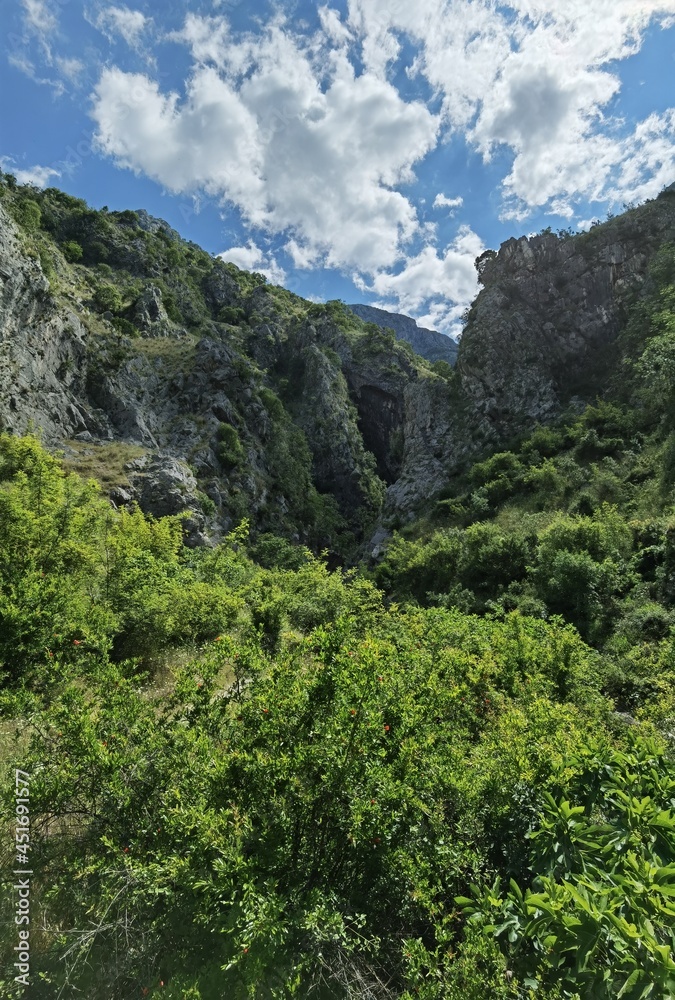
[154, 305]
[447, 776]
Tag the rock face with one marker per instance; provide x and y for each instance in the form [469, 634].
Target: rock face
[258, 404]
[149, 314]
[164, 485]
[429, 344]
[543, 327]
[42, 349]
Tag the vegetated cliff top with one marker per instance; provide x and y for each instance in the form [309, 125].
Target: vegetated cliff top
[192, 386]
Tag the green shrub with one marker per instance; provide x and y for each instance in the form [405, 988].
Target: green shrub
[47, 263]
[108, 298]
[72, 251]
[28, 215]
[234, 315]
[230, 449]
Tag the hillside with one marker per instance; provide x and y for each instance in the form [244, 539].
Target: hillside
[429, 344]
[444, 773]
[191, 386]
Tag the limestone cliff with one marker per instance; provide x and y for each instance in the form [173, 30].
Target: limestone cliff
[545, 325]
[190, 386]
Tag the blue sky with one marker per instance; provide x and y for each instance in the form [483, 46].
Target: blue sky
[367, 150]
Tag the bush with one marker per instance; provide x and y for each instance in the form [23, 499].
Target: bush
[72, 251]
[108, 299]
[230, 449]
[234, 315]
[28, 215]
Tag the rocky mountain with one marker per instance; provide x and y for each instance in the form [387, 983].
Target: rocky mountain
[545, 325]
[429, 344]
[192, 387]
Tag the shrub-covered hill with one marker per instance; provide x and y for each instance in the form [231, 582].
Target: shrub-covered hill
[446, 774]
[189, 385]
[253, 777]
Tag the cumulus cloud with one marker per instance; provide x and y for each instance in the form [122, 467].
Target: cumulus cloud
[647, 162]
[38, 176]
[253, 258]
[128, 24]
[434, 287]
[535, 77]
[442, 201]
[207, 38]
[318, 159]
[279, 123]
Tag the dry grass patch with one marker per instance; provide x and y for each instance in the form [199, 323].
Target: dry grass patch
[103, 462]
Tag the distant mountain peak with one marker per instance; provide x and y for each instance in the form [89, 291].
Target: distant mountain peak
[429, 344]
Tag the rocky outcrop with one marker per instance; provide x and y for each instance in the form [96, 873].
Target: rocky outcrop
[42, 351]
[261, 398]
[164, 485]
[544, 325]
[429, 344]
[149, 315]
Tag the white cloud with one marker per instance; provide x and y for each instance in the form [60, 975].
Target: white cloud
[22, 62]
[71, 69]
[535, 77]
[39, 17]
[207, 38]
[433, 287]
[281, 125]
[128, 24]
[332, 26]
[41, 25]
[207, 143]
[647, 162]
[252, 258]
[37, 176]
[299, 143]
[441, 201]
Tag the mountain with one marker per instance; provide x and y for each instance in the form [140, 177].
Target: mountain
[191, 386]
[292, 780]
[429, 344]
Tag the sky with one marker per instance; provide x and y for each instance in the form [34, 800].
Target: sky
[366, 150]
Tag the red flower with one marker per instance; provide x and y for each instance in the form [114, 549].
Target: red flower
[245, 950]
[372, 802]
[380, 678]
[266, 711]
[126, 850]
[77, 642]
[218, 638]
[386, 729]
[353, 711]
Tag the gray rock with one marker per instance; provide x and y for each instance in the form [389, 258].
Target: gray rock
[429, 344]
[543, 327]
[150, 316]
